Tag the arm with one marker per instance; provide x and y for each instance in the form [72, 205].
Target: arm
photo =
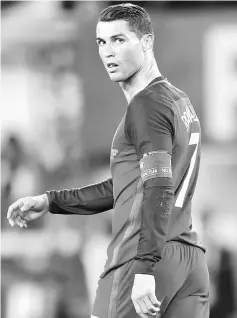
[92, 199]
[149, 127]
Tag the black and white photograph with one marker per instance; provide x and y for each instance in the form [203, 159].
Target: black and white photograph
[118, 159]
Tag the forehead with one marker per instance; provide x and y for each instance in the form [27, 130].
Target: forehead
[106, 29]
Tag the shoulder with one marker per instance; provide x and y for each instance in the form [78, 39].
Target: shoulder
[148, 105]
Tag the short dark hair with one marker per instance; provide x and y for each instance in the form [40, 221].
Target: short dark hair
[137, 17]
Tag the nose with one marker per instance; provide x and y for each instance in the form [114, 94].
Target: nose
[111, 54]
[108, 51]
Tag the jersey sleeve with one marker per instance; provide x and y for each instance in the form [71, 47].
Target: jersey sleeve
[92, 199]
[149, 127]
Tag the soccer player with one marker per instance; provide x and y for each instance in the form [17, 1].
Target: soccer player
[156, 265]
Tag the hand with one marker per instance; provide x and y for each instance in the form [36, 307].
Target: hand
[27, 209]
[143, 296]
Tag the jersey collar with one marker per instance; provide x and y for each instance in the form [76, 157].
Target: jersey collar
[156, 80]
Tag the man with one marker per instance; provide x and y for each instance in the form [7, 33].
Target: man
[155, 265]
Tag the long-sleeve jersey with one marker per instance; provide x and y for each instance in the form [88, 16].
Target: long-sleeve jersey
[155, 157]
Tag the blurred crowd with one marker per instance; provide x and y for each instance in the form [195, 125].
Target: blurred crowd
[59, 112]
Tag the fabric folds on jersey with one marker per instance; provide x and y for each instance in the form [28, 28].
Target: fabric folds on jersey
[87, 200]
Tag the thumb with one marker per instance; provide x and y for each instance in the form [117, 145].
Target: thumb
[20, 205]
[27, 206]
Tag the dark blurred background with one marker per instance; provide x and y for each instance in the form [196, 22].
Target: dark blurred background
[59, 112]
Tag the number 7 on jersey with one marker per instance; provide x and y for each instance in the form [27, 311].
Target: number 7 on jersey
[194, 140]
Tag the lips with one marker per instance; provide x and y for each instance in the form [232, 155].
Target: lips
[112, 65]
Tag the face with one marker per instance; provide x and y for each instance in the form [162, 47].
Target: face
[120, 49]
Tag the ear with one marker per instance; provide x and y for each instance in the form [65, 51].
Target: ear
[147, 42]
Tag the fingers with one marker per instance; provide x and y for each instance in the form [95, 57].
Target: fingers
[138, 309]
[14, 208]
[154, 301]
[21, 205]
[15, 214]
[151, 308]
[19, 212]
[20, 222]
[145, 309]
[147, 306]
[11, 222]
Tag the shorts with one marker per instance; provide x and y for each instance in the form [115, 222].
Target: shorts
[182, 286]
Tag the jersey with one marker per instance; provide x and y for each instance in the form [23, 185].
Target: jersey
[158, 103]
[159, 118]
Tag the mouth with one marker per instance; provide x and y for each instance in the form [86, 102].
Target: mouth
[112, 66]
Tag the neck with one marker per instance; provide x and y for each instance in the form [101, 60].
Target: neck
[140, 80]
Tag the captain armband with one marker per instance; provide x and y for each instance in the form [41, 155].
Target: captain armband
[155, 164]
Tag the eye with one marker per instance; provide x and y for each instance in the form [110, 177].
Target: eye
[119, 40]
[100, 42]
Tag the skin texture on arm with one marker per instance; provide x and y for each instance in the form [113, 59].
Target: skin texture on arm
[149, 127]
[92, 199]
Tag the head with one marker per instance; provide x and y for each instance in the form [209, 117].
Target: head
[125, 39]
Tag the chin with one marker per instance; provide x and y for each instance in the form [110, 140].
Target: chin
[115, 77]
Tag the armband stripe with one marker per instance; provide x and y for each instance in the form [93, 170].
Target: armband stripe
[156, 164]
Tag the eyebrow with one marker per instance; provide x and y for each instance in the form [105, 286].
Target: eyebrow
[112, 37]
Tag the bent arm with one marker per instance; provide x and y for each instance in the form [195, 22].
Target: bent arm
[92, 199]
